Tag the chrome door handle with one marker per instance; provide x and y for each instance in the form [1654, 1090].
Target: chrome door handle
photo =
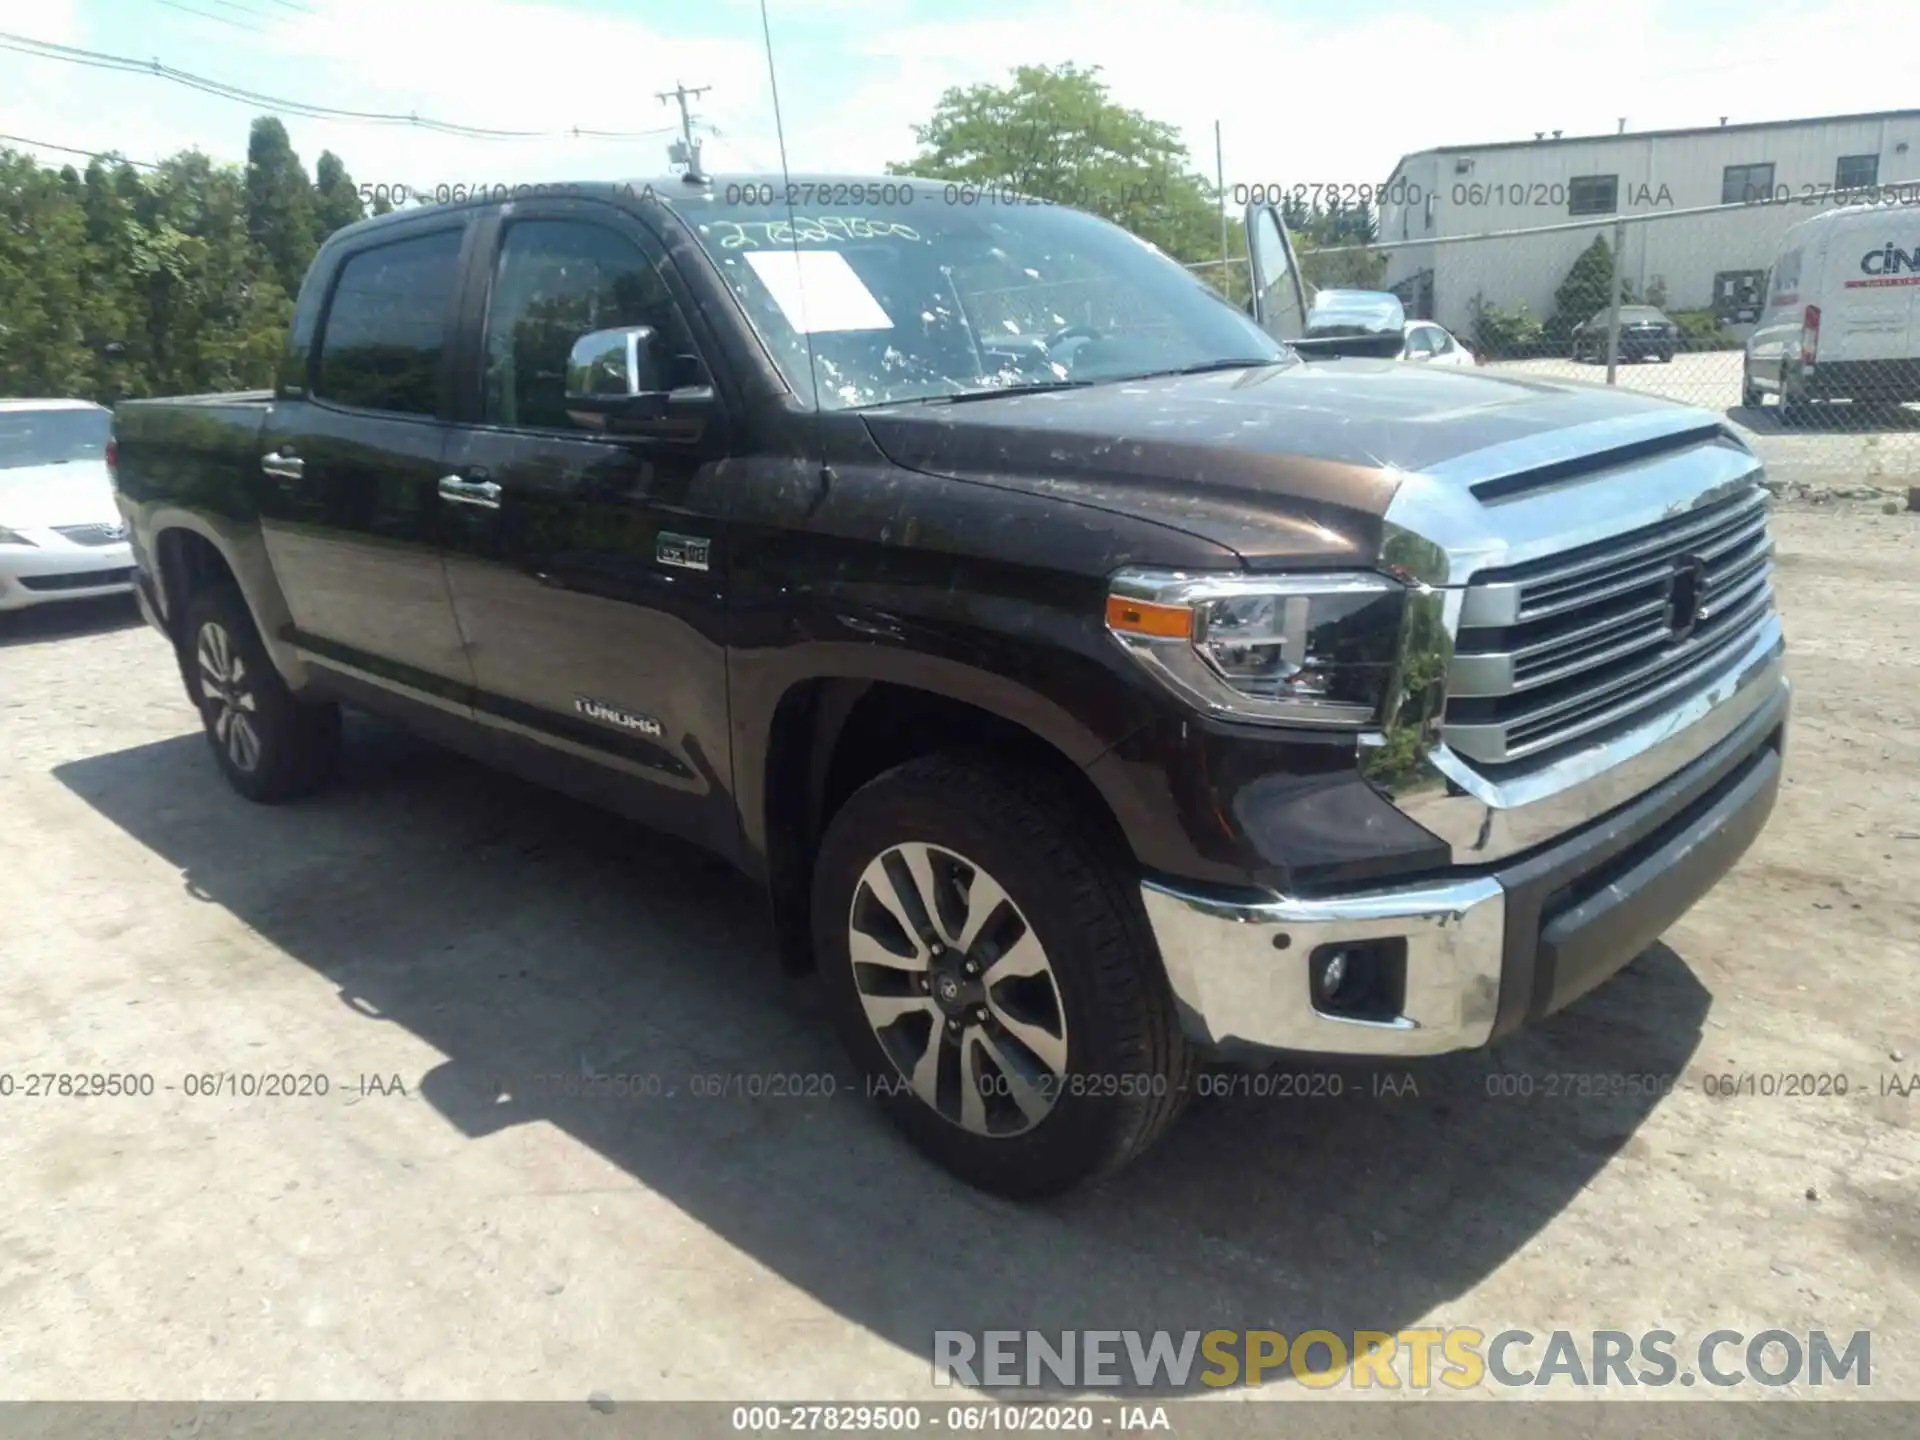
[483, 493]
[283, 467]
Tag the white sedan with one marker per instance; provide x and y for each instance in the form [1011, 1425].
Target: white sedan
[1433, 344]
[61, 534]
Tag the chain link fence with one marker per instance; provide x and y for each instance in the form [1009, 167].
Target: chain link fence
[1800, 325]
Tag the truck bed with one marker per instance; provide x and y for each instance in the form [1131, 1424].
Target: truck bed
[199, 450]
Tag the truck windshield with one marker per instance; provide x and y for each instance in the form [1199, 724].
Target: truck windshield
[52, 437]
[872, 304]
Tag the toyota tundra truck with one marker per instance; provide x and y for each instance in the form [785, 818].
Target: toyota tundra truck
[1100, 684]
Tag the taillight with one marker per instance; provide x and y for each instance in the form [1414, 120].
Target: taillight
[113, 461]
[1810, 335]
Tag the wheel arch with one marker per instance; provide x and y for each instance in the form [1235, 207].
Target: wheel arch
[189, 552]
[829, 734]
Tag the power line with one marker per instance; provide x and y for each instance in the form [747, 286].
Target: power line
[72, 150]
[209, 15]
[99, 60]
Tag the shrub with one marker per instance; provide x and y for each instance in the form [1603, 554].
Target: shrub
[1583, 293]
[1701, 330]
[1499, 332]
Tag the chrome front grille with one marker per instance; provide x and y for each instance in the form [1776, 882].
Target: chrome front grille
[1571, 646]
[100, 533]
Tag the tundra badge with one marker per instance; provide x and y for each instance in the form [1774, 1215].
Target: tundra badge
[614, 715]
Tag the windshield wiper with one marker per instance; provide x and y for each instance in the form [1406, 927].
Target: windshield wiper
[1207, 366]
[1033, 387]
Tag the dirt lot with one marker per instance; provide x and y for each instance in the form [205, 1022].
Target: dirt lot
[430, 927]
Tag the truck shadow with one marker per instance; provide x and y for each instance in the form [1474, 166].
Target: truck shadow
[523, 934]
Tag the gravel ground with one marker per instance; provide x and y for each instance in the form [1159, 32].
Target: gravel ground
[428, 927]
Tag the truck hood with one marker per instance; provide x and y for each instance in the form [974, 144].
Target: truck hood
[36, 497]
[1291, 463]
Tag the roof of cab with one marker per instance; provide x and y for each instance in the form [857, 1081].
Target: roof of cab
[48, 404]
[666, 189]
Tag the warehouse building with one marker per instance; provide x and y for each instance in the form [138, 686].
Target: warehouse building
[1778, 172]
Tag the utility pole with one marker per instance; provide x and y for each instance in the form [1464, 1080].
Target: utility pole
[687, 150]
[1220, 185]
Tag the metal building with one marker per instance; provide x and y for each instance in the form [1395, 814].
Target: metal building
[1781, 172]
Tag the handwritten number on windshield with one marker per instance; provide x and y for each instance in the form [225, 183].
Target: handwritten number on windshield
[807, 229]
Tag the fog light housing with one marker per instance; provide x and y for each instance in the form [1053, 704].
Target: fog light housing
[1359, 979]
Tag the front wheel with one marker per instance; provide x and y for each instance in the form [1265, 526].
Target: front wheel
[270, 745]
[993, 976]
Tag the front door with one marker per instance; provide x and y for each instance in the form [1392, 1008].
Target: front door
[588, 571]
[348, 485]
[1279, 298]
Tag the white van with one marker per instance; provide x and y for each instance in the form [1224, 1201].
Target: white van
[1842, 316]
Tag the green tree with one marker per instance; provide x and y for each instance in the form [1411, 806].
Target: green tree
[280, 202]
[217, 311]
[1053, 133]
[336, 202]
[114, 315]
[43, 344]
[1583, 293]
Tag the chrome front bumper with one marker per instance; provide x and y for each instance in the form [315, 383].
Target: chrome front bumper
[1488, 950]
[1240, 969]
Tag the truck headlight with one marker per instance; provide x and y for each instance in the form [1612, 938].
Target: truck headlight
[1284, 649]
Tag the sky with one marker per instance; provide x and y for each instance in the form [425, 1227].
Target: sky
[1305, 91]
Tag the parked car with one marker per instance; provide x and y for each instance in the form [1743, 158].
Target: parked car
[1842, 317]
[1083, 718]
[1645, 333]
[1432, 344]
[61, 535]
[1338, 312]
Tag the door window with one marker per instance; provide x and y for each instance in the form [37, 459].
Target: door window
[556, 281]
[1419, 342]
[387, 325]
[1442, 341]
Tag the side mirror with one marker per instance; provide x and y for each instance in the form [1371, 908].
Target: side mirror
[619, 382]
[1279, 304]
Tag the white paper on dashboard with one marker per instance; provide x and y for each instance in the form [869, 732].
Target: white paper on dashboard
[817, 291]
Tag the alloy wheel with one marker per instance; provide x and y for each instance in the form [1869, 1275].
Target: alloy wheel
[958, 989]
[227, 687]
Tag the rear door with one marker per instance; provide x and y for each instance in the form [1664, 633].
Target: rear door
[588, 570]
[1872, 276]
[1778, 333]
[348, 486]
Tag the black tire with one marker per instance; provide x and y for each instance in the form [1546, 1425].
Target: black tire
[294, 743]
[1127, 1069]
[1793, 409]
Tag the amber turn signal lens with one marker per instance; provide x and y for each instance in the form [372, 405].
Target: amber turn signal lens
[1144, 617]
